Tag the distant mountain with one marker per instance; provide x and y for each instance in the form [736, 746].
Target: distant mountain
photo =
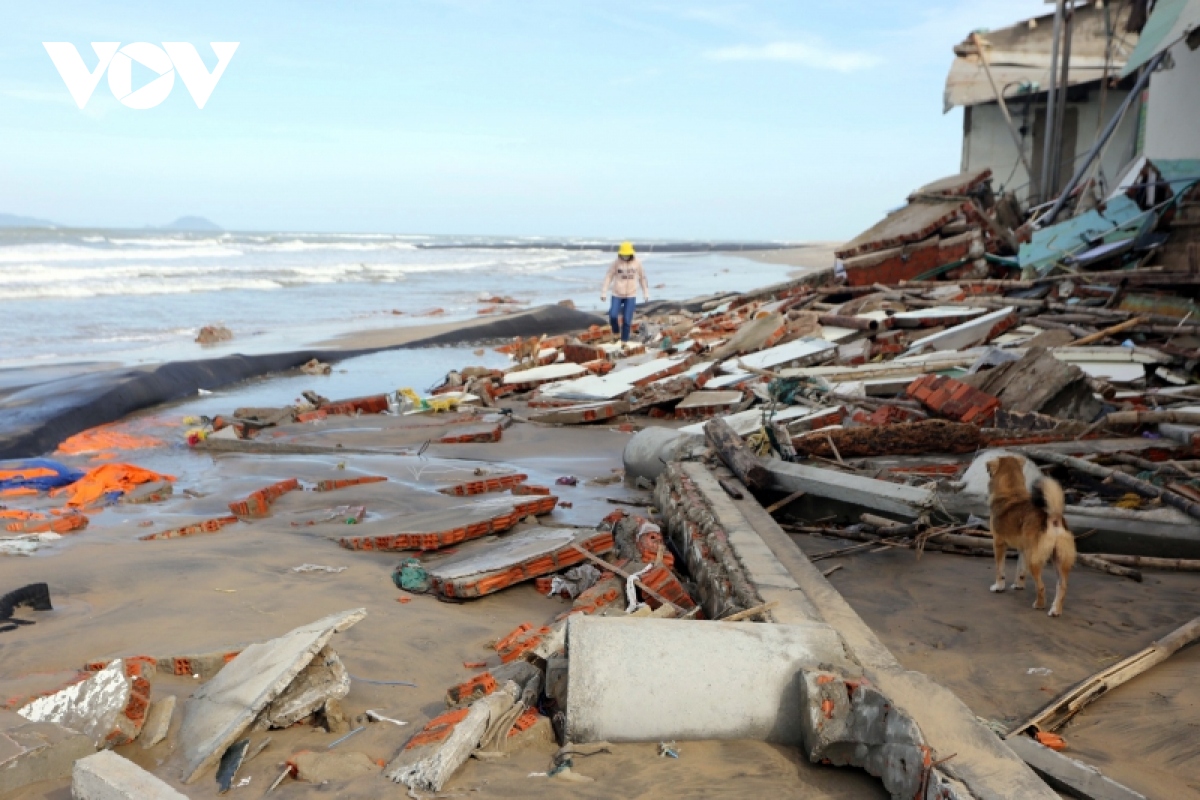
[191, 224]
[13, 221]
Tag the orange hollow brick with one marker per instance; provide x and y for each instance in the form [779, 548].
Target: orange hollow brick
[497, 484]
[208, 526]
[437, 729]
[258, 504]
[471, 689]
[524, 645]
[524, 722]
[507, 641]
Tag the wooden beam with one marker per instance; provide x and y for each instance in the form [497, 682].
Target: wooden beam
[1056, 714]
[733, 451]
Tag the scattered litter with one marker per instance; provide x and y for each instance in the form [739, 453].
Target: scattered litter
[375, 716]
[566, 480]
[317, 568]
[1038, 671]
[668, 750]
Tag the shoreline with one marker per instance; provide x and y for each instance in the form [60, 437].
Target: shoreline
[41, 405]
[34, 418]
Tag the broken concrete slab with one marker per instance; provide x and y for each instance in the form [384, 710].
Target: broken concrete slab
[707, 404]
[585, 412]
[968, 334]
[800, 353]
[432, 530]
[727, 681]
[37, 751]
[108, 776]
[1069, 775]
[539, 375]
[158, 721]
[757, 334]
[431, 757]
[324, 679]
[848, 722]
[488, 567]
[96, 707]
[225, 707]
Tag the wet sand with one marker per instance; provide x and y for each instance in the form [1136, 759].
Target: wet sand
[116, 596]
[938, 617]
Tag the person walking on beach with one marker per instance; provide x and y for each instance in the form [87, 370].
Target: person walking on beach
[625, 275]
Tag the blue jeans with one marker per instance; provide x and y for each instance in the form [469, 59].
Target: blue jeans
[618, 308]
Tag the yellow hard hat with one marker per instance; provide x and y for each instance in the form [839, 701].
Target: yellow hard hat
[626, 249]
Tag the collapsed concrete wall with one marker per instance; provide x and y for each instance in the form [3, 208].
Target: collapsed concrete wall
[895, 723]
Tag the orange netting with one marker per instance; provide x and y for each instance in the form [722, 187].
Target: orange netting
[105, 438]
[108, 478]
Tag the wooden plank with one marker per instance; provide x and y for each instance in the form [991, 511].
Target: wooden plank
[733, 451]
[1057, 713]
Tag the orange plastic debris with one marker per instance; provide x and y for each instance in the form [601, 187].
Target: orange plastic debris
[108, 478]
[20, 491]
[104, 437]
[18, 513]
[31, 472]
[1052, 740]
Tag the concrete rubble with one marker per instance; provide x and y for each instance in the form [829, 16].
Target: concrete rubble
[37, 751]
[108, 776]
[231, 703]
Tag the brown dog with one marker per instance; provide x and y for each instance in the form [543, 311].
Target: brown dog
[1032, 524]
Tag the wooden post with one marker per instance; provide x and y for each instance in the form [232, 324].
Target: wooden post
[733, 451]
[1120, 478]
[1172, 564]
[1059, 711]
[1098, 335]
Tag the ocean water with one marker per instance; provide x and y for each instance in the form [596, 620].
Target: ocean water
[80, 295]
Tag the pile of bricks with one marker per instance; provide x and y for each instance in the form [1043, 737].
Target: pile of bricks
[258, 504]
[375, 404]
[520, 642]
[497, 484]
[953, 399]
[208, 526]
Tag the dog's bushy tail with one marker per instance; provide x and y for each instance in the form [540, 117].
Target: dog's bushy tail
[1048, 496]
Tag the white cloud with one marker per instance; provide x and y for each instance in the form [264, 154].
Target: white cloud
[810, 54]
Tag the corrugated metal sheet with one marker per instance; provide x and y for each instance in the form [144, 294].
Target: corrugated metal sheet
[1019, 56]
[1170, 21]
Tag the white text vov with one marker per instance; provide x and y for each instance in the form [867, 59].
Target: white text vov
[172, 57]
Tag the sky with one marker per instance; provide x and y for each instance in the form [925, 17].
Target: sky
[771, 120]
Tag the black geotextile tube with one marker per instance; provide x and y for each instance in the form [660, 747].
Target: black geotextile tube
[59, 409]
